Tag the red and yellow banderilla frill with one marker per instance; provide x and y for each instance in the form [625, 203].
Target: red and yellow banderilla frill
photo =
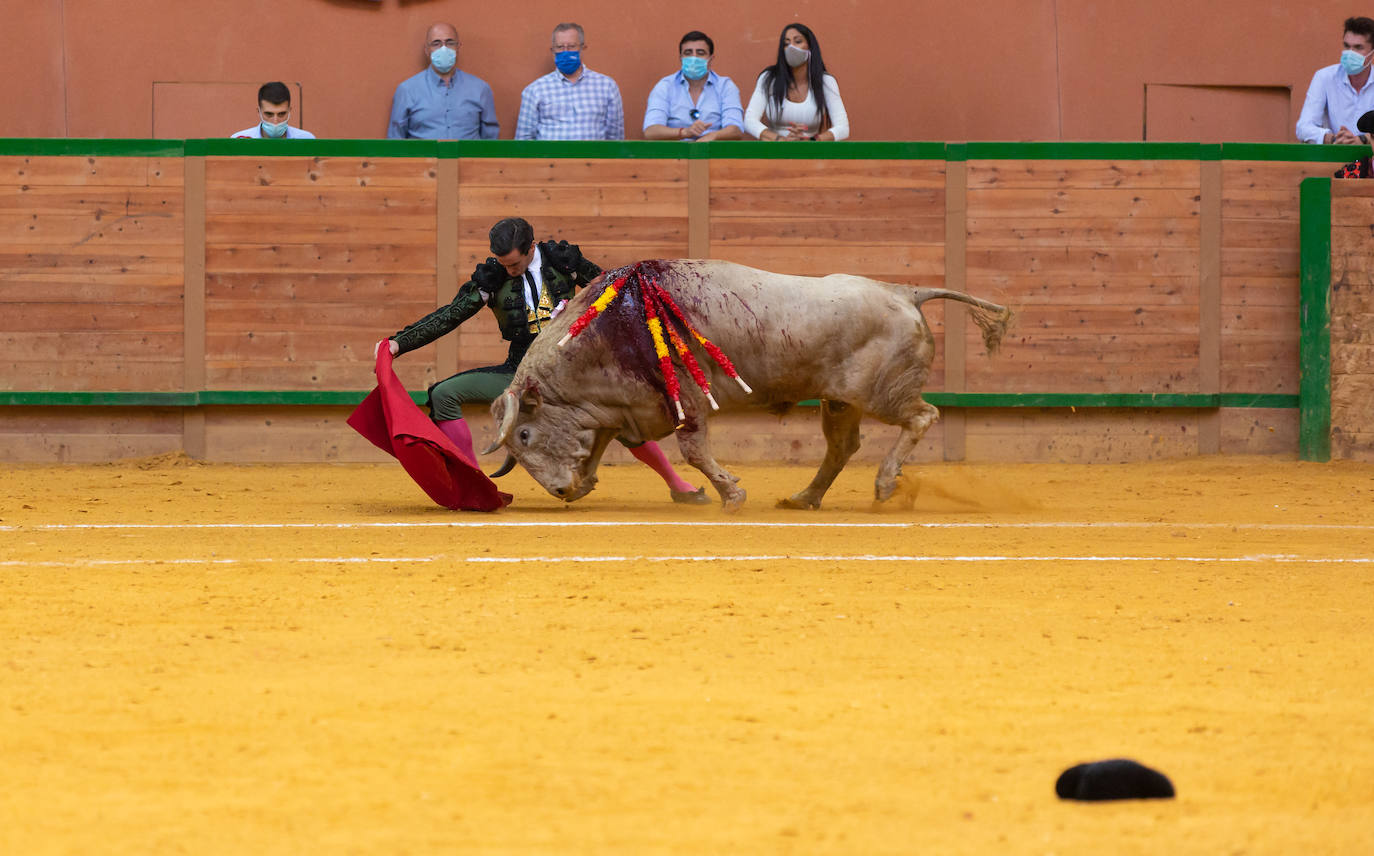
[660, 311]
[598, 306]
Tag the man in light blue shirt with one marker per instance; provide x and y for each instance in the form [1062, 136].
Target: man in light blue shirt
[274, 109]
[441, 102]
[694, 103]
[1340, 94]
[573, 102]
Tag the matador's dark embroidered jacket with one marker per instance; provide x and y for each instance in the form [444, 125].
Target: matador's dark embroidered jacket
[563, 270]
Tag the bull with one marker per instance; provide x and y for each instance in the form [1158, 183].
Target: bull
[859, 345]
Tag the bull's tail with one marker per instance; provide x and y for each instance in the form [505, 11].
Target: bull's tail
[991, 318]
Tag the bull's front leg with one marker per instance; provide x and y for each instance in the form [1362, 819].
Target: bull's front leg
[695, 443]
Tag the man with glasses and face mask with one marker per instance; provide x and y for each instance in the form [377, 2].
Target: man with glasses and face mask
[573, 102]
[694, 103]
[274, 112]
[441, 102]
[1340, 94]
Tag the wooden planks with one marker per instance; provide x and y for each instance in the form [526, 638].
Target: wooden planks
[1079, 436]
[1259, 274]
[90, 273]
[87, 434]
[796, 438]
[277, 435]
[90, 171]
[1101, 261]
[617, 211]
[309, 262]
[882, 219]
[1352, 320]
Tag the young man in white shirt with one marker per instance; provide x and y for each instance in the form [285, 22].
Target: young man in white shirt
[274, 111]
[1340, 94]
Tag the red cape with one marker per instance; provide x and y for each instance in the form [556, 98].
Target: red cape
[393, 423]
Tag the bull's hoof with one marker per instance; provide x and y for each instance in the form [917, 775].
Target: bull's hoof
[800, 503]
[899, 494]
[691, 497]
[734, 502]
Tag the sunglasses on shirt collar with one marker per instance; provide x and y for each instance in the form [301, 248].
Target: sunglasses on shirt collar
[694, 113]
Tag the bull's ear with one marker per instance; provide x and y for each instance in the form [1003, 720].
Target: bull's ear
[530, 398]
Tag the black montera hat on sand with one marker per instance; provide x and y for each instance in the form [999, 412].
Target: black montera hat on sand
[1366, 123]
[1118, 779]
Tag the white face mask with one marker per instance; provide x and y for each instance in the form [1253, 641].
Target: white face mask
[796, 56]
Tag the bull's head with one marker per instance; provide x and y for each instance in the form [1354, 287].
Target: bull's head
[557, 444]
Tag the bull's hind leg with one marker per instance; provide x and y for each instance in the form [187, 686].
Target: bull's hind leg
[912, 432]
[696, 448]
[840, 424]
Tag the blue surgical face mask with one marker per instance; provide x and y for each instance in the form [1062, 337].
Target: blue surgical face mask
[273, 131]
[694, 67]
[568, 61]
[1352, 62]
[443, 59]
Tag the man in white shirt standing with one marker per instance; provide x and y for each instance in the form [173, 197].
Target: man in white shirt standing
[1340, 94]
[274, 111]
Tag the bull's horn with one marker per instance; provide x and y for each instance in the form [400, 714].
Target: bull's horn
[512, 410]
[505, 468]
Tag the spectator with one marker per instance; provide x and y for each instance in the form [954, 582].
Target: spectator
[274, 111]
[694, 103]
[1341, 93]
[574, 102]
[795, 99]
[1361, 168]
[441, 102]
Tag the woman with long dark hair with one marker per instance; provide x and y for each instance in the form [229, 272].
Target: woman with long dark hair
[795, 99]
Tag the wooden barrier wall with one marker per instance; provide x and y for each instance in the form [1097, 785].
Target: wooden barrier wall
[1352, 320]
[1134, 278]
[91, 272]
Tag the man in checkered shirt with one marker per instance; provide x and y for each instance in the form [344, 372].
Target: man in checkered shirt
[573, 102]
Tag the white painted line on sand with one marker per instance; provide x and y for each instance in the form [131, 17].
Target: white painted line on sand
[1281, 558]
[214, 560]
[1287, 558]
[692, 524]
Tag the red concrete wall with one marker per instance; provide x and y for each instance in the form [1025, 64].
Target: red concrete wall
[996, 70]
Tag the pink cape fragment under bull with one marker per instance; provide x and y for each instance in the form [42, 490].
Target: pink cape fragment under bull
[859, 345]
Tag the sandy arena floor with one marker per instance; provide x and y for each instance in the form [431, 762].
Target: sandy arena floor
[312, 659]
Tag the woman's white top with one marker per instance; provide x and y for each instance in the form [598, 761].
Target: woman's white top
[804, 112]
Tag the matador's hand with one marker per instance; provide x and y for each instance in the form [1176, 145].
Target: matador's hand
[489, 275]
[565, 256]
